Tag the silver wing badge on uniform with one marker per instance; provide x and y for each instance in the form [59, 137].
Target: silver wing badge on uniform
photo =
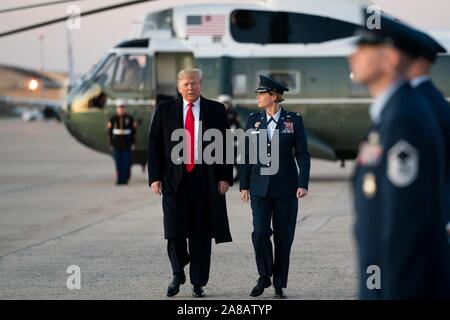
[402, 164]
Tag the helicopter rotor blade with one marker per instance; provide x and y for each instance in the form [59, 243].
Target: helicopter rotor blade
[38, 5]
[62, 19]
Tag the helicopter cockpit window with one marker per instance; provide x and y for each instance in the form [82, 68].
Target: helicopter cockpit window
[290, 79]
[99, 101]
[131, 73]
[265, 27]
[105, 73]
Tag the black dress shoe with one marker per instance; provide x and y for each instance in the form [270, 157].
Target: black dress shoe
[198, 292]
[174, 286]
[279, 293]
[263, 282]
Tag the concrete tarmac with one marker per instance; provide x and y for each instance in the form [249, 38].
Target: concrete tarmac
[59, 207]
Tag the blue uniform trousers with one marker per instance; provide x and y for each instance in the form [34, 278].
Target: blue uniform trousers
[282, 212]
[122, 157]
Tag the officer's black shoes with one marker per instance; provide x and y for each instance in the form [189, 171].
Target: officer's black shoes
[263, 283]
[174, 286]
[279, 293]
[198, 292]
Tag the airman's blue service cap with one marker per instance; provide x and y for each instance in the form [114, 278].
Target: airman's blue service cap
[389, 31]
[267, 84]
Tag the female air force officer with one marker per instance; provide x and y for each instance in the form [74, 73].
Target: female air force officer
[274, 197]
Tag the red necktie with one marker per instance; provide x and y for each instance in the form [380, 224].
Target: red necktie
[189, 126]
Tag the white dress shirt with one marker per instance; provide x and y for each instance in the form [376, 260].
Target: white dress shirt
[196, 112]
[272, 125]
[419, 80]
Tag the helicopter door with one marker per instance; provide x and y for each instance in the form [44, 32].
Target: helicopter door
[167, 65]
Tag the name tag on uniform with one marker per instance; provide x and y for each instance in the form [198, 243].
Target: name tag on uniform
[254, 132]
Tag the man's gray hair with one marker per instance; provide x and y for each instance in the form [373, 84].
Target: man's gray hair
[190, 73]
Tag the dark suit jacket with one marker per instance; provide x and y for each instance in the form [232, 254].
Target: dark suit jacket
[400, 225]
[167, 118]
[292, 146]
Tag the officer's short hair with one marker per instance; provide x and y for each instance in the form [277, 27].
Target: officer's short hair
[190, 73]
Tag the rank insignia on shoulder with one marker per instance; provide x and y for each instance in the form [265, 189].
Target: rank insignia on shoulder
[402, 164]
[369, 186]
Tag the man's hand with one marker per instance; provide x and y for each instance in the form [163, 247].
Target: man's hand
[223, 187]
[156, 187]
[301, 193]
[244, 195]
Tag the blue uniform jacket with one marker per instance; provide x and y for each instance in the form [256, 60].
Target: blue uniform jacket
[398, 187]
[292, 146]
[441, 109]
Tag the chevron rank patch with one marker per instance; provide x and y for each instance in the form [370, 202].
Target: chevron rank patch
[402, 164]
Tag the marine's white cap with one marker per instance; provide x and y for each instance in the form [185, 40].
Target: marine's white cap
[121, 103]
[224, 98]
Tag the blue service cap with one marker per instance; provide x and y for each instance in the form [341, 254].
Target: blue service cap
[429, 48]
[267, 84]
[391, 31]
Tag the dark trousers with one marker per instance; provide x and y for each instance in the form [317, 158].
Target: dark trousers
[282, 212]
[122, 158]
[194, 196]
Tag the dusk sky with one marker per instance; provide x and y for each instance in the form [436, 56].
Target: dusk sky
[100, 32]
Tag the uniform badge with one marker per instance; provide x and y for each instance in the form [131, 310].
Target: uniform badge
[257, 124]
[402, 164]
[288, 127]
[370, 151]
[369, 186]
[373, 138]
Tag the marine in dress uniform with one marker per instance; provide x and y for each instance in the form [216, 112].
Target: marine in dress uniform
[122, 132]
[398, 183]
[193, 193]
[419, 75]
[274, 197]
